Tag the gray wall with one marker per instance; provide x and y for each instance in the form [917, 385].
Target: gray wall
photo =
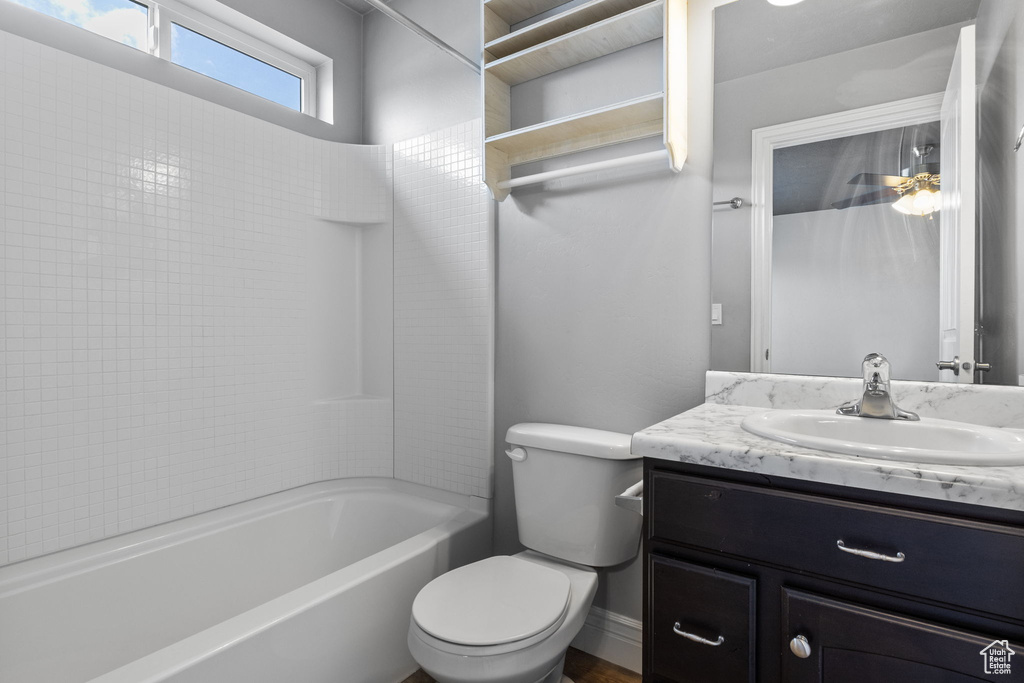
[883, 266]
[602, 318]
[603, 287]
[411, 87]
[1000, 45]
[324, 25]
[849, 80]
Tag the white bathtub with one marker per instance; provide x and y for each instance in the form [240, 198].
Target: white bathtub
[309, 585]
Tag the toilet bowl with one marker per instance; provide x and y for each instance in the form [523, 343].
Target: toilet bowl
[500, 654]
[510, 619]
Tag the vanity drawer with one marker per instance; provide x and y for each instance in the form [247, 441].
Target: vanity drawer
[959, 562]
[704, 603]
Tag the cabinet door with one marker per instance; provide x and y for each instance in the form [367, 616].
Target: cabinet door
[849, 643]
[702, 624]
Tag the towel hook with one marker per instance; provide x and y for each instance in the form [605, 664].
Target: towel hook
[1020, 139]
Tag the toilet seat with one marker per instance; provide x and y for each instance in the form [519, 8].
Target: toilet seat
[495, 602]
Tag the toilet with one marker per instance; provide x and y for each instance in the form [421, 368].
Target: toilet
[510, 619]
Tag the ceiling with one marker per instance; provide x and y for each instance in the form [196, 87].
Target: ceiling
[357, 5]
[825, 27]
[829, 26]
[810, 177]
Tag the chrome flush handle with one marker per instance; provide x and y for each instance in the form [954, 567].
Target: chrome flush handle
[870, 554]
[695, 638]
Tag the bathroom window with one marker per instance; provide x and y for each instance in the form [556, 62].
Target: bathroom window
[121, 20]
[224, 44]
[215, 49]
[209, 57]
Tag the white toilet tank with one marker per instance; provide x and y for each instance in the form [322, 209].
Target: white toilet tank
[566, 479]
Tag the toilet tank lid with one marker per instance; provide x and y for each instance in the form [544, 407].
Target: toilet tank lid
[596, 443]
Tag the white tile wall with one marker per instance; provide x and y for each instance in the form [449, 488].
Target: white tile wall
[443, 312]
[349, 186]
[154, 296]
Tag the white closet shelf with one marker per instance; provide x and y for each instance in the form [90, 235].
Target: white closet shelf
[573, 35]
[615, 33]
[514, 11]
[560, 24]
[631, 120]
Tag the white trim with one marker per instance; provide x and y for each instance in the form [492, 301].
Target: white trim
[239, 32]
[612, 637]
[957, 220]
[170, 11]
[224, 15]
[909, 112]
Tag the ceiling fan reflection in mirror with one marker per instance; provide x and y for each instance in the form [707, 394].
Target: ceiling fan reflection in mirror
[914, 192]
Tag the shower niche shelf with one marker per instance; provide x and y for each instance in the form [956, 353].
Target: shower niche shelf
[577, 35]
[356, 221]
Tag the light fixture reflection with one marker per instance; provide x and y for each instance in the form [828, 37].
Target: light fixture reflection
[784, 3]
[920, 197]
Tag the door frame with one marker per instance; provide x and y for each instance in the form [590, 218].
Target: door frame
[908, 112]
[958, 231]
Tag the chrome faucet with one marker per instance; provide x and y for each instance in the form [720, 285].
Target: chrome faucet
[877, 399]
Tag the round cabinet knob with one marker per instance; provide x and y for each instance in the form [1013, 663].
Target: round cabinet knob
[800, 647]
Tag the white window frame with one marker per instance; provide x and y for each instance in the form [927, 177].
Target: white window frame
[238, 31]
[163, 13]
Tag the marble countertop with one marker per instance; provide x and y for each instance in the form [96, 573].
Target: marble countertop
[711, 435]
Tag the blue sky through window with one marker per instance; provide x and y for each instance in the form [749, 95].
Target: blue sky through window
[216, 60]
[121, 20]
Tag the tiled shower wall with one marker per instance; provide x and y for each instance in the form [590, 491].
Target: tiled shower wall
[156, 304]
[444, 302]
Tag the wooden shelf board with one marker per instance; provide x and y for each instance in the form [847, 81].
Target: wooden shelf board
[497, 106]
[638, 118]
[514, 11]
[560, 24]
[494, 26]
[616, 33]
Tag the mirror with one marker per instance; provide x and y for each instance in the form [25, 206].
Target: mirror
[865, 277]
[836, 237]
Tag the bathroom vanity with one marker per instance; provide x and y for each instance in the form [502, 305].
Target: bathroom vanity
[770, 562]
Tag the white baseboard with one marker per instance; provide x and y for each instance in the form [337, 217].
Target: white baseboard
[612, 637]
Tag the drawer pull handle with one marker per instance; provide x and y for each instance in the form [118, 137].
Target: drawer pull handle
[697, 639]
[871, 555]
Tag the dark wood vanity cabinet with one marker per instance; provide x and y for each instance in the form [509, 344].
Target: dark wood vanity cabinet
[850, 643]
[755, 579]
[710, 611]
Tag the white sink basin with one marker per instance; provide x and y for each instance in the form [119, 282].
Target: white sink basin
[924, 441]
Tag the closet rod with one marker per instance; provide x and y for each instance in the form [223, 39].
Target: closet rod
[421, 32]
[619, 162]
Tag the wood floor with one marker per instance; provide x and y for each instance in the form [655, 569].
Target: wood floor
[579, 666]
